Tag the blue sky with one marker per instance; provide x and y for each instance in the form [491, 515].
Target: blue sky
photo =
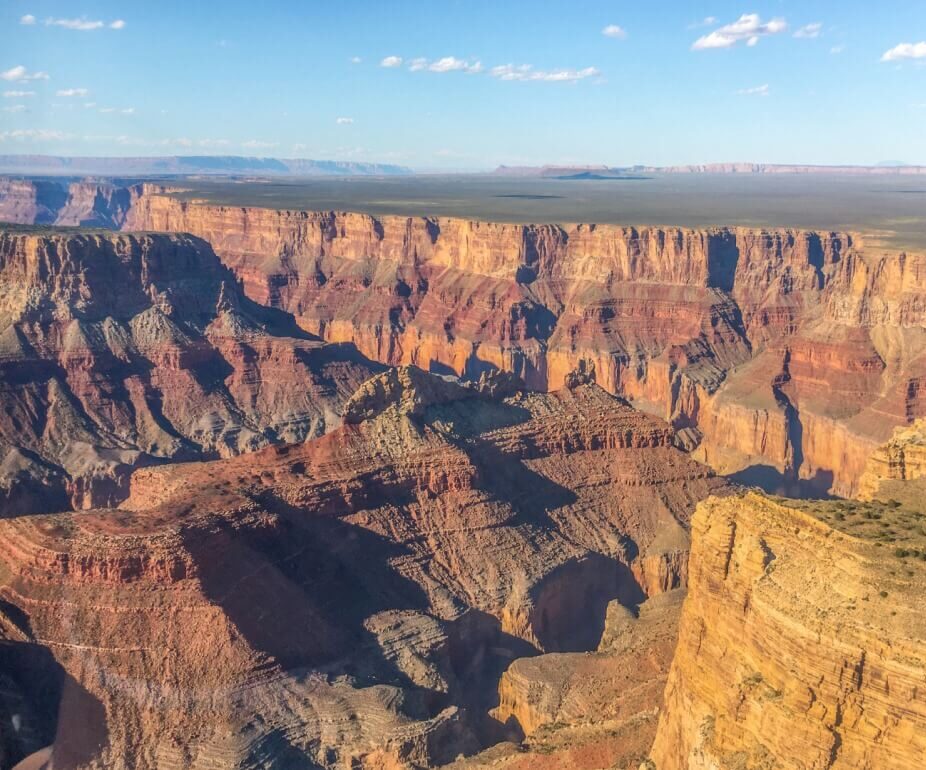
[481, 82]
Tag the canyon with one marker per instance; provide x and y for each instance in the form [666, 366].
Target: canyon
[354, 599]
[288, 488]
[783, 356]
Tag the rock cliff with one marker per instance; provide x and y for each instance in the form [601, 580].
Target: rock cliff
[122, 350]
[802, 642]
[353, 600]
[784, 356]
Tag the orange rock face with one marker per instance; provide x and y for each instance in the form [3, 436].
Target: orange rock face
[124, 350]
[787, 356]
[353, 599]
[801, 642]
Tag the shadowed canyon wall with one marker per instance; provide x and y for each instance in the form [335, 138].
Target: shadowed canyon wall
[784, 356]
[121, 350]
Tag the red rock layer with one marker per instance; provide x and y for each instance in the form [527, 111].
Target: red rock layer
[791, 352]
[349, 601]
[122, 350]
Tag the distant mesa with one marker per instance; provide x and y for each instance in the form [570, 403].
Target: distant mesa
[176, 165]
[633, 172]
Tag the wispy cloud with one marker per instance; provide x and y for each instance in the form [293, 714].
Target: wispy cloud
[17, 94]
[905, 51]
[526, 72]
[344, 121]
[508, 72]
[214, 143]
[837, 49]
[256, 144]
[84, 24]
[809, 31]
[614, 31]
[749, 28]
[15, 108]
[762, 90]
[28, 20]
[20, 74]
[72, 92]
[33, 134]
[355, 60]
[453, 64]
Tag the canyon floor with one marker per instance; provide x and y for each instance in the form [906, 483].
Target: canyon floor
[287, 487]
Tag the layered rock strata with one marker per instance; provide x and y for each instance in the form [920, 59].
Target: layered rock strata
[352, 600]
[802, 642]
[122, 350]
[786, 356]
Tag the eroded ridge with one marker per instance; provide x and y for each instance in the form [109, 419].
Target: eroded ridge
[354, 598]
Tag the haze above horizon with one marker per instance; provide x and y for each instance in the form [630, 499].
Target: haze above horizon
[468, 85]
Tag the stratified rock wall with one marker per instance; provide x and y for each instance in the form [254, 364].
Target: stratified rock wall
[788, 355]
[800, 646]
[120, 350]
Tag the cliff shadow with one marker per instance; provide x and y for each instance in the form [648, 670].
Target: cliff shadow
[41, 705]
[774, 482]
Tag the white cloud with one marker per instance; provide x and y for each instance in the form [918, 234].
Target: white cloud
[117, 24]
[15, 108]
[20, 74]
[72, 92]
[255, 144]
[214, 143]
[391, 61]
[17, 94]
[89, 105]
[762, 90]
[344, 121]
[906, 51]
[615, 31]
[128, 111]
[33, 134]
[82, 25]
[355, 60]
[452, 64]
[417, 65]
[837, 49]
[28, 20]
[748, 28]
[809, 30]
[526, 72]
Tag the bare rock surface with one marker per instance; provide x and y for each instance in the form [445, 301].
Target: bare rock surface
[354, 600]
[802, 641]
[783, 356]
[118, 351]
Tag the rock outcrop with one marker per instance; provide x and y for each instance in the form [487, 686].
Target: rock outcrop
[118, 351]
[802, 642]
[353, 600]
[898, 468]
[784, 356]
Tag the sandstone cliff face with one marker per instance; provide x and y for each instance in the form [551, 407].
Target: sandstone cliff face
[792, 354]
[802, 640]
[350, 601]
[898, 467]
[122, 350]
